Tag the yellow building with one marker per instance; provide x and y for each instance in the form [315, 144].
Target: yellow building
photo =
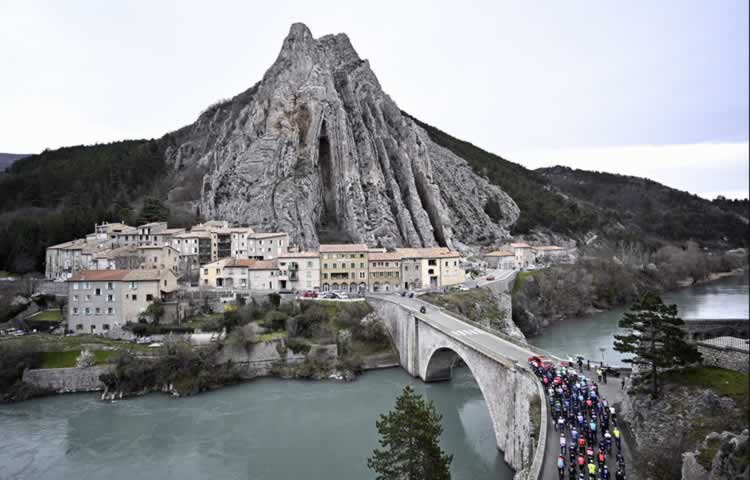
[385, 271]
[343, 267]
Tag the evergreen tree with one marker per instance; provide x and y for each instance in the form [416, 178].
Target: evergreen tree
[410, 436]
[153, 211]
[656, 338]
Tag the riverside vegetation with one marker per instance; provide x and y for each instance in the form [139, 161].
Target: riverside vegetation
[605, 281]
[300, 327]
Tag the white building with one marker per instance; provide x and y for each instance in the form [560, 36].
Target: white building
[299, 271]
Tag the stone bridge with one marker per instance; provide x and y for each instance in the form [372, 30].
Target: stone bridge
[430, 345]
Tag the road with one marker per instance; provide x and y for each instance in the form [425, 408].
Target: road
[495, 347]
[505, 352]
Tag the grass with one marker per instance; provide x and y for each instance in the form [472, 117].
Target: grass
[48, 316]
[270, 336]
[68, 359]
[58, 343]
[723, 382]
[521, 279]
[477, 304]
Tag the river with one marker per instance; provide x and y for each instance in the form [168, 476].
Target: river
[726, 297]
[268, 429]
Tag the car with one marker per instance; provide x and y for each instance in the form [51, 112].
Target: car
[490, 278]
[309, 294]
[411, 294]
[463, 288]
[611, 372]
[403, 294]
[342, 296]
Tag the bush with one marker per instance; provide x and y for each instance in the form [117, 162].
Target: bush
[275, 320]
[352, 362]
[298, 345]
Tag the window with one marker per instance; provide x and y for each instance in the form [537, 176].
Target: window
[325, 265]
[218, 271]
[361, 265]
[105, 326]
[75, 298]
[110, 311]
[86, 286]
[134, 297]
[110, 285]
[75, 310]
[165, 283]
[110, 298]
[87, 311]
[87, 298]
[75, 286]
[97, 311]
[149, 297]
[309, 264]
[361, 274]
[325, 276]
[361, 255]
[334, 266]
[133, 285]
[205, 271]
[79, 326]
[352, 265]
[98, 292]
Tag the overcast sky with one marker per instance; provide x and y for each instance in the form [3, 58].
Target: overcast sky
[656, 89]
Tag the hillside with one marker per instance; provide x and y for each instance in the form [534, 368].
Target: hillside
[7, 159]
[651, 211]
[58, 195]
[541, 207]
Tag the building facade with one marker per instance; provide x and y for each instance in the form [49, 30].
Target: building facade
[500, 259]
[344, 267]
[385, 271]
[299, 271]
[99, 300]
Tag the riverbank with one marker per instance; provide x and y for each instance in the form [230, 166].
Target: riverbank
[593, 335]
[534, 325]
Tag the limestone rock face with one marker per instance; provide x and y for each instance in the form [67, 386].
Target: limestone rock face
[317, 149]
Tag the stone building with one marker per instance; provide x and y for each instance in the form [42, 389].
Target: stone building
[241, 274]
[299, 271]
[434, 267]
[99, 300]
[523, 254]
[385, 271]
[344, 267]
[500, 259]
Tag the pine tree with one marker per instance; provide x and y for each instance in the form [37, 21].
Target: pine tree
[153, 211]
[656, 338]
[410, 436]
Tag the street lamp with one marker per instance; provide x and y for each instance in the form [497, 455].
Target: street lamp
[602, 349]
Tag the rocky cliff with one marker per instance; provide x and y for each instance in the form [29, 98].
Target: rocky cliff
[317, 149]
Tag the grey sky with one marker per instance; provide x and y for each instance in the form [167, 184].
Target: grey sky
[631, 87]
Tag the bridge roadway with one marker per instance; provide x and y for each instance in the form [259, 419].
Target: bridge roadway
[504, 352]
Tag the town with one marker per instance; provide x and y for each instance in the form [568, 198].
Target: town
[116, 272]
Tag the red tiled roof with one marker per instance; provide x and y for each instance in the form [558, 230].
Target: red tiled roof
[499, 253]
[99, 275]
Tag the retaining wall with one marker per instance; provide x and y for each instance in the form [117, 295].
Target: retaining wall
[725, 357]
[67, 380]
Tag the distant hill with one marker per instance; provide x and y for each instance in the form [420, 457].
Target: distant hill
[7, 159]
[651, 211]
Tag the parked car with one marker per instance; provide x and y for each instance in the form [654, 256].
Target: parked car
[490, 278]
[463, 288]
[309, 294]
[342, 295]
[611, 372]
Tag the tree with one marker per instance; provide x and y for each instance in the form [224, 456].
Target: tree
[153, 211]
[656, 338]
[410, 436]
[155, 310]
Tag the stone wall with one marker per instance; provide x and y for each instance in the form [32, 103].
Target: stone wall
[66, 380]
[725, 357]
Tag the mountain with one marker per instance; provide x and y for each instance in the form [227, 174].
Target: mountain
[7, 159]
[317, 149]
[648, 210]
